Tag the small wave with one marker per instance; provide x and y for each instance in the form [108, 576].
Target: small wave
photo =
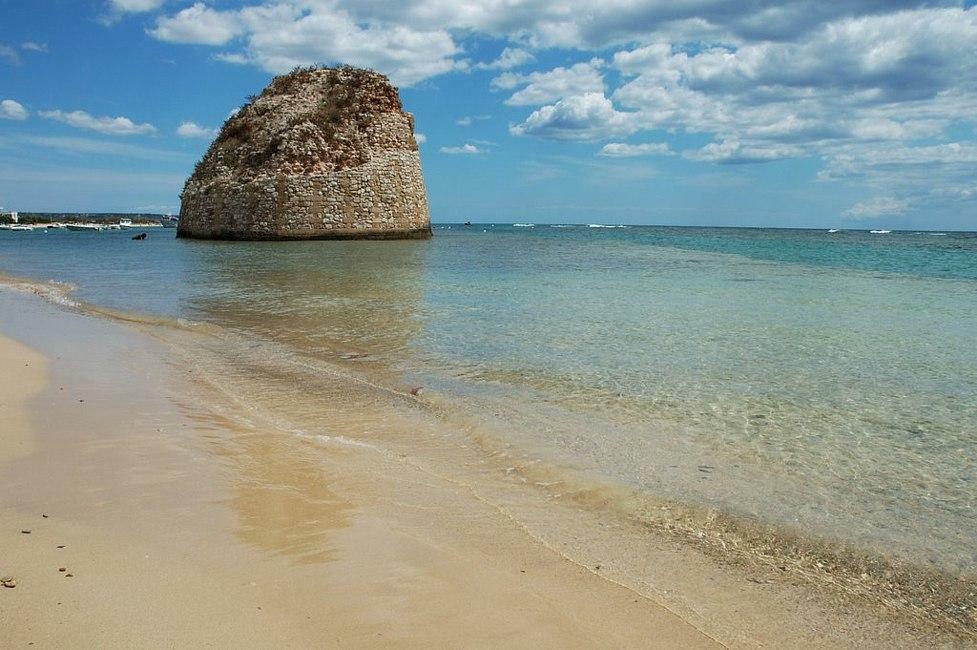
[833, 230]
[880, 232]
[601, 225]
[938, 234]
[53, 291]
[523, 225]
[561, 225]
[342, 441]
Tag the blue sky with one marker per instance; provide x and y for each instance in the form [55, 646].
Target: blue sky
[795, 113]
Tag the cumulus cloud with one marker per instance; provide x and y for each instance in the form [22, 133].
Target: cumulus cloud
[281, 35]
[194, 130]
[582, 117]
[420, 138]
[877, 207]
[12, 110]
[622, 150]
[544, 87]
[846, 83]
[465, 149]
[107, 125]
[200, 24]
[735, 152]
[584, 24]
[511, 57]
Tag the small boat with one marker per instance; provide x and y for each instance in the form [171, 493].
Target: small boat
[880, 232]
[170, 221]
[84, 227]
[125, 224]
[21, 227]
[833, 230]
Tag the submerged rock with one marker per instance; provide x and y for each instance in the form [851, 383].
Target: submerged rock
[321, 153]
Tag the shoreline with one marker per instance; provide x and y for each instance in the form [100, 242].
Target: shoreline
[181, 526]
[714, 596]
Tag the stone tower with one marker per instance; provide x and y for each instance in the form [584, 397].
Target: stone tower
[322, 153]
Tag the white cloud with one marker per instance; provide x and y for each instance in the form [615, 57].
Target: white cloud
[511, 57]
[282, 34]
[468, 120]
[585, 24]
[198, 24]
[194, 130]
[12, 110]
[420, 138]
[877, 207]
[465, 149]
[235, 58]
[838, 82]
[544, 87]
[9, 54]
[735, 152]
[107, 125]
[622, 150]
[583, 117]
[117, 9]
[134, 6]
[31, 46]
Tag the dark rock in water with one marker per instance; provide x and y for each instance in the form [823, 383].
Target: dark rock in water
[321, 153]
[141, 236]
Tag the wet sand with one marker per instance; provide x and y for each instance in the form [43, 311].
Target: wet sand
[176, 526]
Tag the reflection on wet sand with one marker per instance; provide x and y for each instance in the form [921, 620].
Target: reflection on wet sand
[279, 489]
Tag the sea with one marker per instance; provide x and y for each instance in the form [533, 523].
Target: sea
[817, 386]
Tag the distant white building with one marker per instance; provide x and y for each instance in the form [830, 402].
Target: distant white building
[14, 217]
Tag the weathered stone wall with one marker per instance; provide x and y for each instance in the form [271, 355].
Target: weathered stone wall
[383, 198]
[299, 190]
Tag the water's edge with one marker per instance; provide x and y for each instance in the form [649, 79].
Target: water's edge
[260, 372]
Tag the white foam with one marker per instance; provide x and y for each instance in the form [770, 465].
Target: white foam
[523, 225]
[880, 232]
[602, 225]
[343, 441]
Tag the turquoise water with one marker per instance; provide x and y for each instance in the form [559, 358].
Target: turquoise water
[823, 381]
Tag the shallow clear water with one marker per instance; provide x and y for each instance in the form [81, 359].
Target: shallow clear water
[826, 381]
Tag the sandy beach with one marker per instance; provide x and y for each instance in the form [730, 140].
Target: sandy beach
[133, 520]
[143, 507]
